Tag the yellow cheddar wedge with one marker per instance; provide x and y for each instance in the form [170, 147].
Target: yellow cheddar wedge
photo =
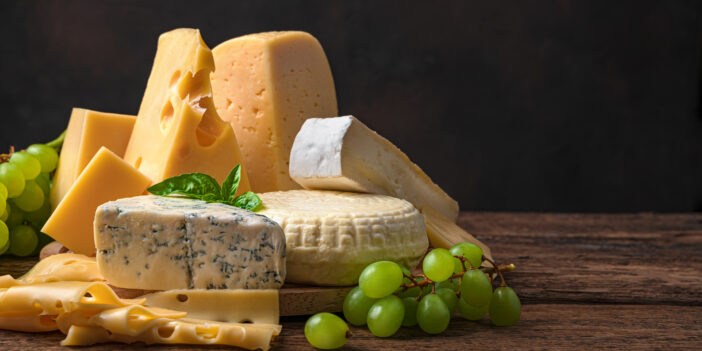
[106, 177]
[178, 130]
[444, 233]
[265, 85]
[87, 132]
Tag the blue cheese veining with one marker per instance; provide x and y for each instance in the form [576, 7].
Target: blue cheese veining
[161, 243]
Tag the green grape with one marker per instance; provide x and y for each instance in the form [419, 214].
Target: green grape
[505, 308]
[4, 234]
[380, 279]
[472, 252]
[449, 297]
[4, 248]
[6, 213]
[432, 314]
[23, 240]
[452, 284]
[472, 313]
[3, 204]
[476, 288]
[15, 215]
[326, 331]
[31, 199]
[438, 265]
[44, 183]
[356, 306]
[3, 192]
[39, 216]
[410, 319]
[46, 155]
[13, 178]
[29, 165]
[385, 316]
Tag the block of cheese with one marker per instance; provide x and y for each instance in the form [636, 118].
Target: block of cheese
[106, 177]
[342, 153]
[87, 132]
[163, 243]
[258, 306]
[331, 235]
[265, 85]
[178, 130]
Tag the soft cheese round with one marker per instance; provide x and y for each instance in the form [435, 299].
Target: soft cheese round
[331, 235]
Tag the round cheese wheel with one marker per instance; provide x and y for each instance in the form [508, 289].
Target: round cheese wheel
[332, 236]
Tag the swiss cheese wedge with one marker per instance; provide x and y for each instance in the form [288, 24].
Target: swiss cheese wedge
[265, 86]
[178, 130]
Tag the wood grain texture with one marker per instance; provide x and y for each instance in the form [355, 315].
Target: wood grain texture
[629, 281]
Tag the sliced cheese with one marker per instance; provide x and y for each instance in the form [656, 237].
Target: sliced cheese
[168, 331]
[87, 132]
[332, 236]
[444, 233]
[178, 130]
[63, 267]
[258, 306]
[106, 177]
[343, 154]
[265, 86]
[161, 243]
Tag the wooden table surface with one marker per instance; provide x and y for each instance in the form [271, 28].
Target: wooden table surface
[625, 281]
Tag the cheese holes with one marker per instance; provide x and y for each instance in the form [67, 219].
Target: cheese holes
[182, 297]
[166, 115]
[165, 331]
[174, 78]
[137, 163]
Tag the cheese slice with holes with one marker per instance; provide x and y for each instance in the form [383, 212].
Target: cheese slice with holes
[106, 177]
[332, 236]
[233, 306]
[265, 85]
[87, 132]
[341, 153]
[178, 130]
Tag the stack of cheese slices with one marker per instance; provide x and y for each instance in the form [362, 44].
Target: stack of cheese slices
[336, 197]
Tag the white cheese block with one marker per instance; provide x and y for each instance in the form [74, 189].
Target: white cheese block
[162, 243]
[341, 153]
[331, 236]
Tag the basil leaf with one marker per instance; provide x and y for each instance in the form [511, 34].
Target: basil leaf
[231, 184]
[248, 201]
[194, 185]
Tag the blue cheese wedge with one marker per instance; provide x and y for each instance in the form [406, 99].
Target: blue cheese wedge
[162, 243]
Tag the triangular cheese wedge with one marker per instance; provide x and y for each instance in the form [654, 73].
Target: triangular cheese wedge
[178, 130]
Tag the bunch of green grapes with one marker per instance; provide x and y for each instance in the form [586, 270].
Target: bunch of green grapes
[25, 183]
[388, 296]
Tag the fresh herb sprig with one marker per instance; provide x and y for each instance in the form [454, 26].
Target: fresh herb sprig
[204, 187]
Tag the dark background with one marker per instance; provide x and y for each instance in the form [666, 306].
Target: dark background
[589, 106]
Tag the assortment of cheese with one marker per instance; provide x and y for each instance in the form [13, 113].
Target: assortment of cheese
[336, 197]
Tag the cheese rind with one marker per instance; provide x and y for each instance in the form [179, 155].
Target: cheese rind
[107, 177]
[88, 131]
[178, 130]
[341, 153]
[332, 236]
[265, 85]
[162, 243]
[259, 306]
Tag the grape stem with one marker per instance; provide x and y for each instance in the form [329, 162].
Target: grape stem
[6, 157]
[499, 271]
[487, 270]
